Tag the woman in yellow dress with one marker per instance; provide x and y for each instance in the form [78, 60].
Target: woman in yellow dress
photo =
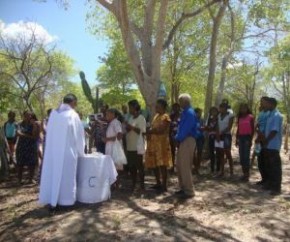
[158, 153]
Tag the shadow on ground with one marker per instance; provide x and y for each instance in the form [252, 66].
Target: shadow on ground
[222, 210]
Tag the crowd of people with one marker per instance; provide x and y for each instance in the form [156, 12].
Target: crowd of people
[174, 141]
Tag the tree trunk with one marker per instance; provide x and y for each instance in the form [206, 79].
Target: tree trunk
[28, 104]
[174, 92]
[221, 87]
[144, 55]
[285, 85]
[42, 105]
[212, 59]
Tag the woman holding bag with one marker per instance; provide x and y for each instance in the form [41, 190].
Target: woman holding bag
[136, 127]
[158, 153]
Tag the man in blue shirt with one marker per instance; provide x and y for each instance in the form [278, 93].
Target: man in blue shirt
[261, 126]
[185, 136]
[272, 142]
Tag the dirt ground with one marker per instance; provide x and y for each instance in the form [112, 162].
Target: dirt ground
[222, 210]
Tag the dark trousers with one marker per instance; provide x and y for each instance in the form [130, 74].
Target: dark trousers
[214, 163]
[101, 147]
[245, 150]
[136, 167]
[126, 167]
[262, 166]
[273, 169]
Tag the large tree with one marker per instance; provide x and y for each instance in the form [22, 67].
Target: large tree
[146, 37]
[31, 67]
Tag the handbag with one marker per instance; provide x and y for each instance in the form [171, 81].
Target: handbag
[140, 145]
[118, 154]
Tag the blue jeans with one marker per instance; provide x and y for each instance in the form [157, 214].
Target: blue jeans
[245, 150]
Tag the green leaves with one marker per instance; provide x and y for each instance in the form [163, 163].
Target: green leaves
[115, 73]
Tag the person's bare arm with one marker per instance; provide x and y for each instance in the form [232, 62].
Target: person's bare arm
[132, 128]
[253, 128]
[237, 134]
[35, 131]
[119, 136]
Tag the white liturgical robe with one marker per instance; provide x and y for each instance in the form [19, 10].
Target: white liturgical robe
[65, 142]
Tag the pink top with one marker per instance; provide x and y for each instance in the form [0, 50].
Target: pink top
[245, 125]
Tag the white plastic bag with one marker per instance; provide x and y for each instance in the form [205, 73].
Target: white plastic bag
[118, 154]
[141, 145]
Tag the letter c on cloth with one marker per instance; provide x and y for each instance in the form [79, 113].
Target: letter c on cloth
[91, 181]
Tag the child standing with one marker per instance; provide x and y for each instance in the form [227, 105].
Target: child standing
[113, 134]
[225, 124]
[211, 128]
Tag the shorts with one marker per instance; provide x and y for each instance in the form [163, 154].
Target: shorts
[11, 143]
[11, 140]
[227, 138]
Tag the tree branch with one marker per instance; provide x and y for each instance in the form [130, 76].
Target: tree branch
[13, 79]
[138, 31]
[109, 6]
[257, 35]
[148, 18]
[183, 17]
[161, 22]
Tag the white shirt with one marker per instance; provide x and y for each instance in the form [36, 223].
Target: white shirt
[113, 129]
[224, 123]
[132, 136]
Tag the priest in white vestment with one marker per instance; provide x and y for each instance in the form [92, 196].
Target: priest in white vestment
[65, 143]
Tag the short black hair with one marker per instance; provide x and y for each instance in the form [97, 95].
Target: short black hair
[213, 108]
[272, 101]
[11, 113]
[197, 110]
[26, 112]
[48, 112]
[69, 98]
[224, 105]
[116, 113]
[134, 104]
[162, 102]
[265, 98]
[112, 110]
[33, 116]
[244, 105]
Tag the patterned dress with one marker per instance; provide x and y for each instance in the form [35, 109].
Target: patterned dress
[26, 151]
[158, 151]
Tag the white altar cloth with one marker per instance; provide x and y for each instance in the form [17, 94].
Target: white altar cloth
[96, 174]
